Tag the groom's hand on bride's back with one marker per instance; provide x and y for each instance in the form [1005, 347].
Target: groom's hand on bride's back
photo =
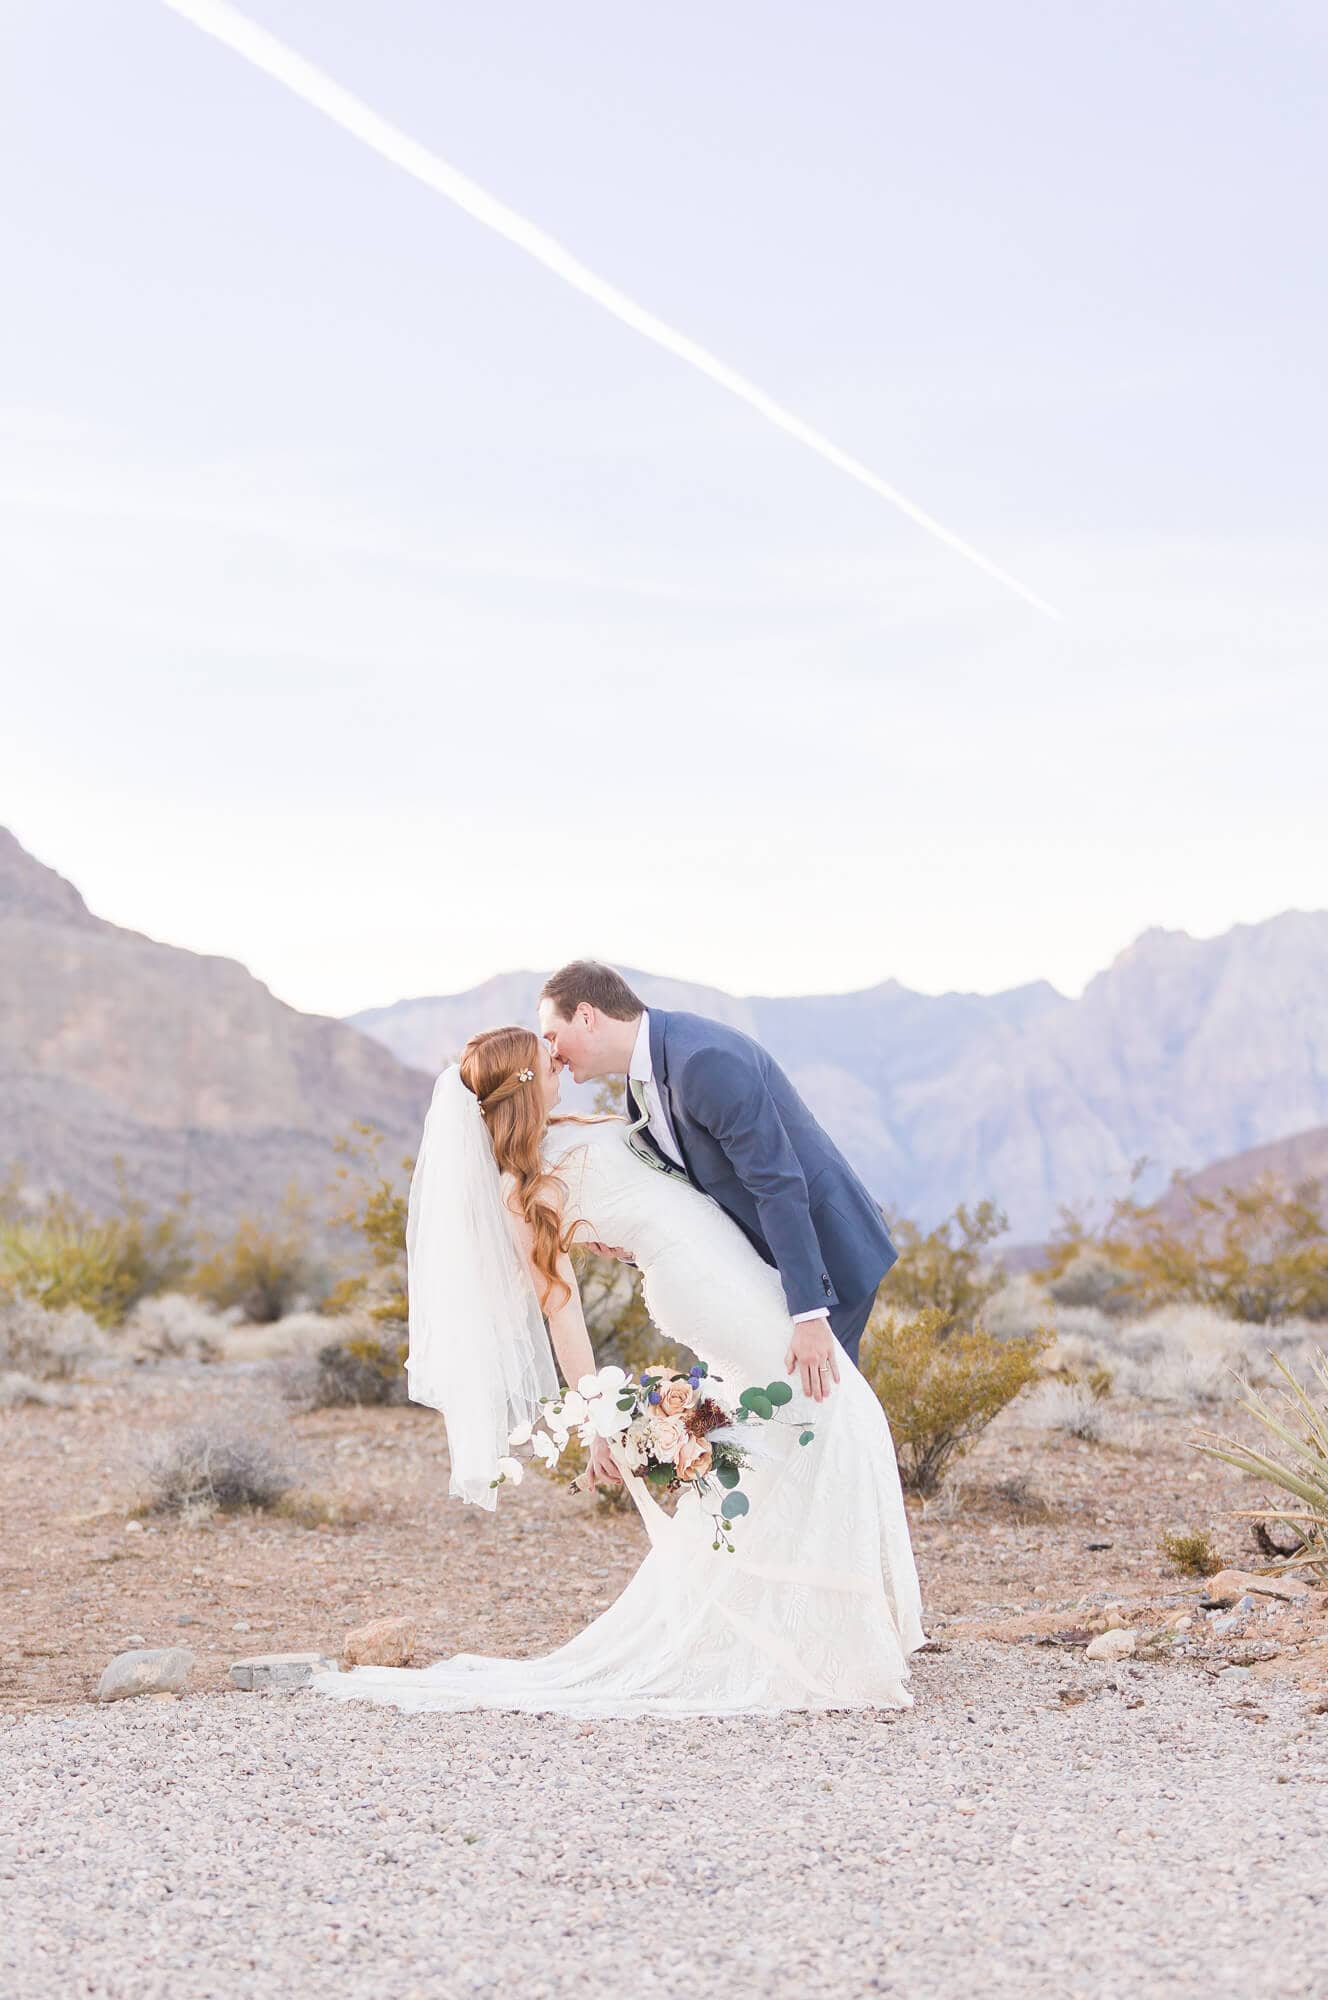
[811, 1357]
[610, 1250]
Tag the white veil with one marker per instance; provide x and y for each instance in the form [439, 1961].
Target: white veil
[479, 1351]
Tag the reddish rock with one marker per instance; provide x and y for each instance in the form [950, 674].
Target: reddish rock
[383, 1642]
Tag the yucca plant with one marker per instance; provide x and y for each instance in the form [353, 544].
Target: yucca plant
[1301, 1468]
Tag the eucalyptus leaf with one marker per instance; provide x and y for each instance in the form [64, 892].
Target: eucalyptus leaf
[778, 1393]
[757, 1402]
[734, 1504]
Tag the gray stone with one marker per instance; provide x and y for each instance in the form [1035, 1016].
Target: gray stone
[1113, 1644]
[1235, 1674]
[277, 1670]
[146, 1670]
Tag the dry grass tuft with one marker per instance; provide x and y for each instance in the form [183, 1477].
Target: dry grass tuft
[221, 1468]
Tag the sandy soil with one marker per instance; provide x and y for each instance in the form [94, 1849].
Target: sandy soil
[1019, 1558]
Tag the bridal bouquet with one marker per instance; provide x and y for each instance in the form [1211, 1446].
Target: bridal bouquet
[674, 1434]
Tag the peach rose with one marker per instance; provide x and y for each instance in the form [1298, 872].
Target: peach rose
[667, 1437]
[676, 1396]
[694, 1460]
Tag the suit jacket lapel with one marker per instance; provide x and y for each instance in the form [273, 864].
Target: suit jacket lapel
[659, 1063]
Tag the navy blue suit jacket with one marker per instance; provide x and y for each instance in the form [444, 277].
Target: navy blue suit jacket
[748, 1140]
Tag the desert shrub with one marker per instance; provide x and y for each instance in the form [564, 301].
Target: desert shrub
[1072, 1408]
[941, 1387]
[217, 1466]
[1257, 1254]
[375, 1210]
[16, 1390]
[295, 1337]
[1092, 1278]
[266, 1268]
[1191, 1555]
[44, 1345]
[63, 1255]
[366, 1365]
[172, 1326]
[1296, 1462]
[943, 1270]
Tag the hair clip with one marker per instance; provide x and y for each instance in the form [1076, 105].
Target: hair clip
[525, 1076]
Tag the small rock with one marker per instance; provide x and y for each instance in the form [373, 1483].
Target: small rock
[1113, 1644]
[275, 1670]
[1176, 1621]
[133, 1527]
[383, 1642]
[154, 1670]
[134, 1639]
[1235, 1674]
[1228, 1624]
[186, 1618]
[1093, 1547]
[1230, 1584]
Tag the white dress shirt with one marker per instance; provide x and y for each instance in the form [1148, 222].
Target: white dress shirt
[641, 1070]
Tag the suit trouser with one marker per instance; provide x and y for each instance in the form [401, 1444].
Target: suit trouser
[847, 1324]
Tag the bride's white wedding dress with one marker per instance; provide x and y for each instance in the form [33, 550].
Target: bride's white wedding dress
[819, 1608]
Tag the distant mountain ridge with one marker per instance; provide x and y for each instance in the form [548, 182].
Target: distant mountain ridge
[1182, 1051]
[185, 1065]
[1185, 1050]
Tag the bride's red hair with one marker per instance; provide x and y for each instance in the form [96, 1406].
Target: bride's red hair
[491, 1066]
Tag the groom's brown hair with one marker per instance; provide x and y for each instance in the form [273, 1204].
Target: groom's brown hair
[585, 979]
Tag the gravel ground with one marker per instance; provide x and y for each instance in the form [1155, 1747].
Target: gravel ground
[1035, 1825]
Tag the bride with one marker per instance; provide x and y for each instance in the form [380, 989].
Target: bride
[819, 1607]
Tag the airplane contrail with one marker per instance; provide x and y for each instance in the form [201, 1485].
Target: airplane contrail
[227, 24]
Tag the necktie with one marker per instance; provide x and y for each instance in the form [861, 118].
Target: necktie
[644, 1148]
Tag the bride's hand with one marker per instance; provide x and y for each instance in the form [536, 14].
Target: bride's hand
[602, 1465]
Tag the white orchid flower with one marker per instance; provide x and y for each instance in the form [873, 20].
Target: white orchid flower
[511, 1468]
[607, 1382]
[546, 1450]
[573, 1410]
[607, 1420]
[521, 1435]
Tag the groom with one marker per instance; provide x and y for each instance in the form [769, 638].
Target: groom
[710, 1104]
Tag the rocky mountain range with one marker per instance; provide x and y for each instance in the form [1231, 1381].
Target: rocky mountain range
[1183, 1050]
[183, 1065]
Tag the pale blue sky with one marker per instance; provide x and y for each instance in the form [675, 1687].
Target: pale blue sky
[382, 614]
